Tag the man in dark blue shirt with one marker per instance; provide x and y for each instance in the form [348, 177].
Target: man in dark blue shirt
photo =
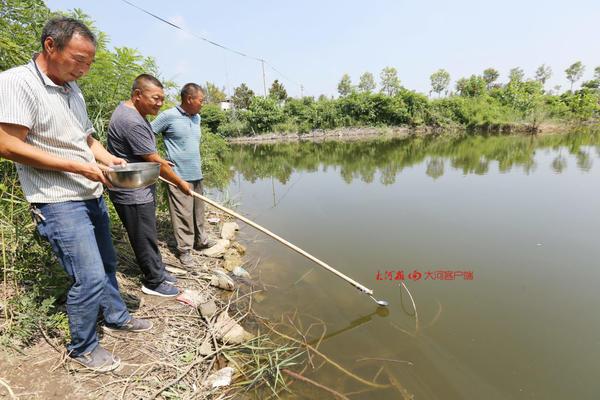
[130, 137]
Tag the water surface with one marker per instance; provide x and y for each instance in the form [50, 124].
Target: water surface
[519, 215]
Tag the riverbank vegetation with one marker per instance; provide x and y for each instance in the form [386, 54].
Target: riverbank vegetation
[477, 103]
[32, 281]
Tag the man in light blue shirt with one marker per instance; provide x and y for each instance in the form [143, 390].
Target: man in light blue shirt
[180, 127]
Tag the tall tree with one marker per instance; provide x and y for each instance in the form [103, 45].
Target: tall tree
[543, 73]
[490, 75]
[21, 24]
[390, 83]
[440, 80]
[473, 86]
[345, 86]
[214, 94]
[597, 73]
[575, 72]
[277, 91]
[242, 95]
[516, 75]
[366, 83]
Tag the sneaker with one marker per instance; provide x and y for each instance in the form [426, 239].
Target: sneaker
[207, 245]
[133, 325]
[98, 360]
[163, 290]
[169, 278]
[186, 259]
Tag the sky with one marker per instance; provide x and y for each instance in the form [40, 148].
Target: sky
[313, 43]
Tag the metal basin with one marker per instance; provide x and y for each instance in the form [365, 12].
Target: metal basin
[134, 175]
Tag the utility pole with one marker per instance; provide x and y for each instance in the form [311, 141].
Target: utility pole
[264, 80]
[208, 99]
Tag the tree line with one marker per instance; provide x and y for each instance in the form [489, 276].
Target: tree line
[478, 102]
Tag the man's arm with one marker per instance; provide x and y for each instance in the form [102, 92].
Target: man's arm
[13, 147]
[167, 172]
[102, 155]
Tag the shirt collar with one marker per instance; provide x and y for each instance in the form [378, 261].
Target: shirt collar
[66, 88]
[181, 110]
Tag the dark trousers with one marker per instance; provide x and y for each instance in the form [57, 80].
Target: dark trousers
[140, 223]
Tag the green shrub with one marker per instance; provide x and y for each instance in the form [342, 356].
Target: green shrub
[212, 117]
[263, 114]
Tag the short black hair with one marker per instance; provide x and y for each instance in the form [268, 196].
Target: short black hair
[144, 80]
[62, 30]
[190, 89]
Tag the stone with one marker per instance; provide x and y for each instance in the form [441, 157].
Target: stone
[241, 272]
[218, 250]
[228, 230]
[259, 296]
[232, 259]
[220, 378]
[208, 309]
[191, 297]
[206, 347]
[175, 270]
[221, 280]
[228, 331]
[241, 249]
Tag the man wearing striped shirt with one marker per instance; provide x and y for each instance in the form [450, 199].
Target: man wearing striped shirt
[45, 129]
[180, 127]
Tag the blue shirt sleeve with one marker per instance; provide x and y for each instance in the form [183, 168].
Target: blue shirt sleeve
[160, 123]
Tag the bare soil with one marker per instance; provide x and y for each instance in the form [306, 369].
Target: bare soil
[162, 363]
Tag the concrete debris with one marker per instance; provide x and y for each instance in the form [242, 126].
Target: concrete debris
[228, 230]
[221, 280]
[220, 378]
[229, 331]
[218, 250]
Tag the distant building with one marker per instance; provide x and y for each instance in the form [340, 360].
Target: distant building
[226, 104]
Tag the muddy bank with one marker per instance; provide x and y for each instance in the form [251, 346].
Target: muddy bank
[352, 134]
[188, 344]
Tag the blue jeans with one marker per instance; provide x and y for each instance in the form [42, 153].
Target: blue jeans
[79, 233]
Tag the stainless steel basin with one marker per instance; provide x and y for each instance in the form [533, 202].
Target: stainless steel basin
[134, 175]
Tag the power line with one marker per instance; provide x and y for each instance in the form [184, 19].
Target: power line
[226, 48]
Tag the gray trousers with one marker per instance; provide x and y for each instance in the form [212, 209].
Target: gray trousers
[187, 217]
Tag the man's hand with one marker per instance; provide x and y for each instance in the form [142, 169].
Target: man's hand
[94, 172]
[185, 187]
[117, 161]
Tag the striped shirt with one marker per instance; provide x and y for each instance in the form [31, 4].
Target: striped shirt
[58, 124]
[181, 133]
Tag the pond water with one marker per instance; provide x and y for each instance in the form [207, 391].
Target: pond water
[495, 237]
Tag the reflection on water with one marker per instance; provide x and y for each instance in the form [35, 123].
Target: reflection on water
[521, 213]
[388, 157]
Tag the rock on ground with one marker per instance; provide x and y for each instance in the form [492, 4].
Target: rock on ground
[228, 230]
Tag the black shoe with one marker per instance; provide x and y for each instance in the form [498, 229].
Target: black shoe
[98, 360]
[162, 290]
[206, 245]
[186, 259]
[169, 278]
[133, 325]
